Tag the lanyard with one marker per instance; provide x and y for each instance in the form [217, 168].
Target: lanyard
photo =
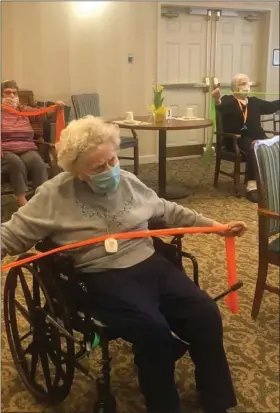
[244, 112]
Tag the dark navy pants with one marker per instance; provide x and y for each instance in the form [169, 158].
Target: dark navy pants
[142, 304]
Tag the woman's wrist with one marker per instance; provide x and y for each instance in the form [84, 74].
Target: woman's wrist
[216, 224]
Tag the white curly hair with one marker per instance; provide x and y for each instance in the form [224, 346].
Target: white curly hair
[80, 136]
[237, 79]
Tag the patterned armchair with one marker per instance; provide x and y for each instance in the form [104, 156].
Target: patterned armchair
[267, 154]
[88, 104]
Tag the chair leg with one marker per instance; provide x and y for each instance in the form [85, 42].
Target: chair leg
[136, 159]
[236, 178]
[217, 171]
[246, 175]
[261, 280]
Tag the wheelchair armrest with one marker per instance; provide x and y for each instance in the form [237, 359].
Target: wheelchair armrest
[61, 259]
[156, 223]
[45, 245]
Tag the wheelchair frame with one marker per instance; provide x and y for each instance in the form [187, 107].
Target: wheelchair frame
[62, 314]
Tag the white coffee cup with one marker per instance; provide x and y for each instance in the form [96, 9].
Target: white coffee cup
[189, 113]
[129, 116]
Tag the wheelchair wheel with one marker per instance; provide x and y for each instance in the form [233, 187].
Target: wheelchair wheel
[43, 357]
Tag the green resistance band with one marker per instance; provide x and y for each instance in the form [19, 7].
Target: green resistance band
[230, 92]
[96, 341]
[208, 152]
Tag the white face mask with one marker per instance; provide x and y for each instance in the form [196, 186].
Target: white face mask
[12, 102]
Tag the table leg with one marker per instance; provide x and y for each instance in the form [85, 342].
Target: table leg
[162, 163]
[173, 191]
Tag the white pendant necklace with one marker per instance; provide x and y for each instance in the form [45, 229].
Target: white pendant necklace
[110, 244]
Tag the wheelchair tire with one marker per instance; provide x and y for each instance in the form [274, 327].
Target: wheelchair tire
[47, 345]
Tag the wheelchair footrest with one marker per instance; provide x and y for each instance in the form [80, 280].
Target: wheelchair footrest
[234, 287]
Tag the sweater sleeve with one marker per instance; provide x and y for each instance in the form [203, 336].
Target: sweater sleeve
[226, 105]
[30, 224]
[161, 210]
[175, 215]
[267, 107]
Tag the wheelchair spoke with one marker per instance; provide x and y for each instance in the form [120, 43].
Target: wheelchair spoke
[36, 292]
[54, 360]
[26, 291]
[22, 310]
[25, 336]
[34, 362]
[46, 370]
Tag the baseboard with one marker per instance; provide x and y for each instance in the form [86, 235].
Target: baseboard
[172, 152]
[143, 159]
[179, 151]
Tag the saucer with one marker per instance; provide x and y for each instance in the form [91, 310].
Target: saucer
[130, 122]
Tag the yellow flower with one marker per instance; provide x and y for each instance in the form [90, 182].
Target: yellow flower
[161, 110]
[159, 88]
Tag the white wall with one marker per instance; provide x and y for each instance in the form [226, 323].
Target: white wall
[48, 48]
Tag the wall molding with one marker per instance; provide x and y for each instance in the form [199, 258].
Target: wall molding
[172, 152]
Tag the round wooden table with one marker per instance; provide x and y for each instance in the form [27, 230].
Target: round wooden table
[171, 192]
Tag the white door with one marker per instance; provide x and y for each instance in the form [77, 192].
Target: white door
[238, 46]
[197, 45]
[182, 69]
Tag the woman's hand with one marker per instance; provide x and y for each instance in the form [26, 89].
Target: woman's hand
[216, 94]
[60, 103]
[236, 229]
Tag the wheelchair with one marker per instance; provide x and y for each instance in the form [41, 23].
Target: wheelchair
[62, 328]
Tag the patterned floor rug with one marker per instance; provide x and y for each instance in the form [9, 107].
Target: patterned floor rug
[252, 346]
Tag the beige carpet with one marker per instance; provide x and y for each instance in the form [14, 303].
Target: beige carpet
[252, 347]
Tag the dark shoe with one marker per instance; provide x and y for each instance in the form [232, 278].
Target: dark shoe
[253, 196]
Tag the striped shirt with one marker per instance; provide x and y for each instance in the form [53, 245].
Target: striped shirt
[16, 131]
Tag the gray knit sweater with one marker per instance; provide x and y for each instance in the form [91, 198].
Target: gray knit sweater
[66, 210]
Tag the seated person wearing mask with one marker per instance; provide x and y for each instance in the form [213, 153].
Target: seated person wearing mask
[242, 115]
[132, 287]
[18, 149]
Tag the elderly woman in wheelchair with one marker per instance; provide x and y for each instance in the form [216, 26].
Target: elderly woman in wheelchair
[127, 288]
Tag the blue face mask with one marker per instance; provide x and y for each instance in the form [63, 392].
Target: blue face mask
[106, 181]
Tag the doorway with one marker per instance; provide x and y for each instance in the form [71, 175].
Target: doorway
[199, 48]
